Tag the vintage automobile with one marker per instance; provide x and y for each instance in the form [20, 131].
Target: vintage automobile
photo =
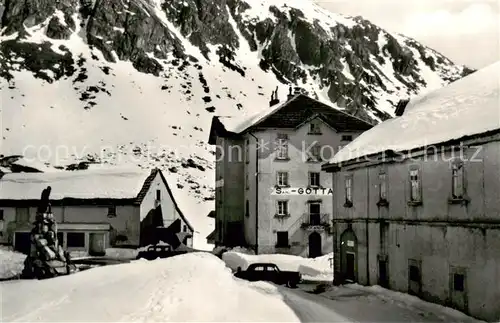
[160, 251]
[271, 273]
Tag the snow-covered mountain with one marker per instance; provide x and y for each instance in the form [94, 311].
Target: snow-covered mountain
[136, 82]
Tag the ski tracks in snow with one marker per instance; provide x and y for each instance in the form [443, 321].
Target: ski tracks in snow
[158, 304]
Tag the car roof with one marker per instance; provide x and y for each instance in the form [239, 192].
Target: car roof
[262, 264]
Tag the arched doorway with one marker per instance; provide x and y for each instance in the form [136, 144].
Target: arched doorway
[315, 248]
[349, 256]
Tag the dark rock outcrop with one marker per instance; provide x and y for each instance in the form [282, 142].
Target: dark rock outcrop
[294, 47]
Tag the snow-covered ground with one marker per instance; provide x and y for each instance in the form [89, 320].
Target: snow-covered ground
[413, 303]
[12, 262]
[192, 287]
[355, 303]
[198, 287]
[310, 268]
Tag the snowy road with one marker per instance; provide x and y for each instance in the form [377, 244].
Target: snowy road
[310, 308]
[349, 305]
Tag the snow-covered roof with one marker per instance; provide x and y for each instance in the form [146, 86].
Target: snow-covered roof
[82, 184]
[293, 113]
[238, 125]
[466, 107]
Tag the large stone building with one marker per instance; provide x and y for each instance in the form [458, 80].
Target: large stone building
[416, 199]
[94, 209]
[264, 161]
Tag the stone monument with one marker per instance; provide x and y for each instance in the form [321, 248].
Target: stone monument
[46, 258]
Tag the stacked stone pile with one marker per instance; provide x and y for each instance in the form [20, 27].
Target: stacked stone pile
[47, 258]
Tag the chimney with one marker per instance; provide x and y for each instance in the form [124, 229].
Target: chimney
[274, 98]
[400, 107]
[290, 94]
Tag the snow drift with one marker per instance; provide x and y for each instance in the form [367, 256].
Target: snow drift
[11, 263]
[194, 287]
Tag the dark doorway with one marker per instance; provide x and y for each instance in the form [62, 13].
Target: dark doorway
[22, 242]
[315, 245]
[414, 277]
[383, 278]
[348, 256]
[350, 267]
[97, 244]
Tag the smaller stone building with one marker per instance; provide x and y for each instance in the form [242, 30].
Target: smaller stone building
[94, 209]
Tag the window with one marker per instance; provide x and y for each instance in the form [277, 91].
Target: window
[112, 211]
[282, 178]
[184, 228]
[282, 239]
[382, 191]
[314, 179]
[458, 282]
[314, 128]
[282, 208]
[247, 181]
[158, 195]
[75, 239]
[22, 214]
[1, 215]
[259, 268]
[282, 150]
[457, 188]
[348, 190]
[314, 214]
[247, 208]
[247, 151]
[415, 185]
[346, 137]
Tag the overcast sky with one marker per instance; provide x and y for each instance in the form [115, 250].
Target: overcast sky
[466, 31]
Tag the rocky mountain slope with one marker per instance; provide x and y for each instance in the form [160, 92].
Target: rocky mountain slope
[137, 81]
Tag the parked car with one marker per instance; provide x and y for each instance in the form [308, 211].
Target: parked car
[159, 251]
[271, 273]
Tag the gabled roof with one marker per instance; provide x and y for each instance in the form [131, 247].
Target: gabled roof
[289, 114]
[174, 201]
[467, 107]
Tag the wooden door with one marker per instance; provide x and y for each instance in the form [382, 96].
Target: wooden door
[350, 267]
[315, 248]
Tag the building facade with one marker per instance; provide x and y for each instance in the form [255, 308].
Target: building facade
[122, 211]
[425, 219]
[271, 194]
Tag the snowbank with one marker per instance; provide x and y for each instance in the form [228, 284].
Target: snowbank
[187, 288]
[311, 269]
[415, 303]
[11, 263]
[121, 253]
